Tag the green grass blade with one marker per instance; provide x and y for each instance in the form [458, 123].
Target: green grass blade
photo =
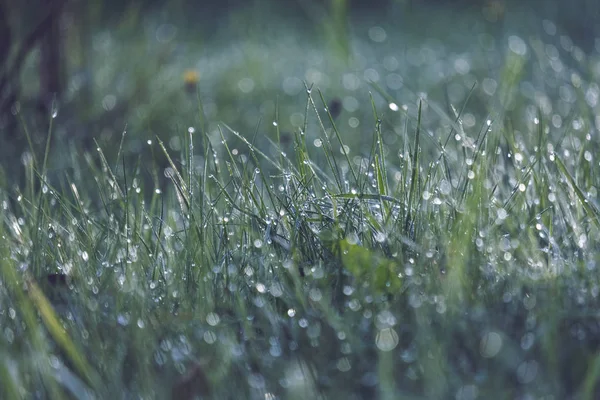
[590, 209]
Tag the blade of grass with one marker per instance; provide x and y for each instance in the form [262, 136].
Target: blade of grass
[589, 207]
[414, 178]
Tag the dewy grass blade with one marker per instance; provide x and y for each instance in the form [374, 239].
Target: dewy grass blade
[120, 149]
[327, 147]
[590, 209]
[380, 167]
[181, 185]
[339, 138]
[189, 157]
[367, 196]
[415, 176]
[49, 139]
[252, 148]
[109, 170]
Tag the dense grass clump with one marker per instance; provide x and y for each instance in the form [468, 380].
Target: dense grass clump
[313, 273]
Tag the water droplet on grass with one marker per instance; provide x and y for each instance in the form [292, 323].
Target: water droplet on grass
[502, 214]
[210, 337]
[212, 319]
[387, 339]
[123, 319]
[490, 345]
[517, 45]
[343, 364]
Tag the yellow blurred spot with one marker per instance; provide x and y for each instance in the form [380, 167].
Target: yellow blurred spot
[190, 79]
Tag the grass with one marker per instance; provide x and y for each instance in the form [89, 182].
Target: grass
[457, 260]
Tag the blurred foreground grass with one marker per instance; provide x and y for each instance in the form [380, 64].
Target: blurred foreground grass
[437, 238]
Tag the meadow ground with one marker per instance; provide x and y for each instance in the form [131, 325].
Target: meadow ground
[283, 212]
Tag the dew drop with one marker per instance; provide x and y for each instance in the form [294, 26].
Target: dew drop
[387, 339]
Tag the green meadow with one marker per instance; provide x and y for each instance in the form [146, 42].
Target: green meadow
[312, 203]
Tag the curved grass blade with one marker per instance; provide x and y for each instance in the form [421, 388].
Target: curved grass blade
[589, 208]
[58, 333]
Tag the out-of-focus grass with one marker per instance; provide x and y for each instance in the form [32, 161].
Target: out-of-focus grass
[444, 246]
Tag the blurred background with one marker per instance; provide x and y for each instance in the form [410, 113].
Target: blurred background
[93, 69]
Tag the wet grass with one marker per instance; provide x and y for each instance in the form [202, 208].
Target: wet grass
[438, 251]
